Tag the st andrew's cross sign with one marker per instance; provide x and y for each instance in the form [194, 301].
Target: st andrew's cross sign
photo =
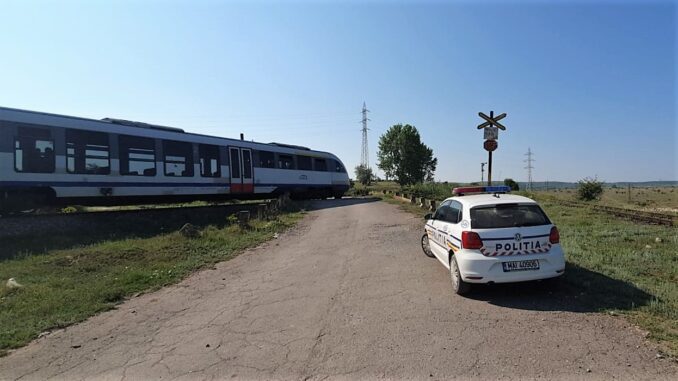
[492, 120]
[492, 127]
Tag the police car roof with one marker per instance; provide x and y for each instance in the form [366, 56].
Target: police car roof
[490, 199]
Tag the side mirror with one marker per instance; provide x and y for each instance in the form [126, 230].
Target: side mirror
[429, 216]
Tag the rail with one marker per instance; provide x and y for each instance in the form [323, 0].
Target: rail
[630, 214]
[157, 219]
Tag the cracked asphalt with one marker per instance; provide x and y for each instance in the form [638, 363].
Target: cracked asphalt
[347, 294]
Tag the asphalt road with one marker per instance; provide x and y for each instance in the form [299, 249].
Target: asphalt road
[348, 294]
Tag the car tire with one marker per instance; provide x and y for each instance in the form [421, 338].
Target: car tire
[458, 285]
[426, 246]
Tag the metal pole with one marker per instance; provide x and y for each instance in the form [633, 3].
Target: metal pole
[489, 161]
[489, 170]
[628, 191]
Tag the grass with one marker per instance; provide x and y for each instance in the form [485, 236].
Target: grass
[653, 199]
[628, 252]
[616, 266]
[63, 286]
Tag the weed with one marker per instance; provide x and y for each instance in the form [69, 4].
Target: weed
[63, 286]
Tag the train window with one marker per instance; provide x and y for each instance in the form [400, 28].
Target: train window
[285, 162]
[338, 167]
[137, 156]
[320, 165]
[246, 164]
[178, 158]
[235, 163]
[266, 159]
[34, 152]
[87, 152]
[304, 163]
[209, 160]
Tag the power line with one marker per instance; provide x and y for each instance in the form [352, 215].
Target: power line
[529, 167]
[365, 156]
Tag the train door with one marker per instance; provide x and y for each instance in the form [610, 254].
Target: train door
[242, 179]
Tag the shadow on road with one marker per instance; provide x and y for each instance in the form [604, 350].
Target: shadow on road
[580, 290]
[334, 203]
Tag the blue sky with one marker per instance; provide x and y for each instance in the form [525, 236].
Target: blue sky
[589, 86]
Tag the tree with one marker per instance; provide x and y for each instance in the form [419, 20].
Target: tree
[404, 158]
[364, 174]
[514, 185]
[589, 189]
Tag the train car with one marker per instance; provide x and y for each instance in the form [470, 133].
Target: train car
[49, 159]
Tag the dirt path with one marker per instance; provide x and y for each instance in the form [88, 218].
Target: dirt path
[348, 294]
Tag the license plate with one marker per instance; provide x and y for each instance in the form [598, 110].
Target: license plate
[520, 265]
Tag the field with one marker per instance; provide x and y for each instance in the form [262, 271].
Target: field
[651, 199]
[616, 266]
[65, 282]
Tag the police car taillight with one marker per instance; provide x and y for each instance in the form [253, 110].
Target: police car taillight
[554, 237]
[471, 240]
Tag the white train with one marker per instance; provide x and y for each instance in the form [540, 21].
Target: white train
[56, 159]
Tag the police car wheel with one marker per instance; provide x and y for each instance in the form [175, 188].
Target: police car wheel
[458, 285]
[426, 246]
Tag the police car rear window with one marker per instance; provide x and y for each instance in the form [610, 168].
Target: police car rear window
[507, 216]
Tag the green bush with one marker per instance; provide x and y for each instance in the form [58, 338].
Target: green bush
[589, 189]
[356, 192]
[432, 191]
[511, 183]
[364, 174]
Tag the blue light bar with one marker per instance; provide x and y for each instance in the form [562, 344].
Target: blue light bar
[498, 189]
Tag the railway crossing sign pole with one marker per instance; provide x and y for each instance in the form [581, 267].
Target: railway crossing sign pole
[491, 127]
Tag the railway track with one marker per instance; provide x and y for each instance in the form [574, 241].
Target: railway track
[141, 209]
[630, 214]
[129, 221]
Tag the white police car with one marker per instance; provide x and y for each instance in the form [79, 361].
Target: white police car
[484, 235]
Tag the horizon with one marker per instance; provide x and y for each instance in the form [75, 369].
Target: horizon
[589, 88]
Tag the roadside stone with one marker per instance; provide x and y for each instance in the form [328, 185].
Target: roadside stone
[658, 240]
[648, 246]
[13, 284]
[190, 231]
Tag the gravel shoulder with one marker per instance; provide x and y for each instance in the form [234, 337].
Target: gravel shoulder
[347, 294]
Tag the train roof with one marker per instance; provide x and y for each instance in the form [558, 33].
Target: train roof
[124, 126]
